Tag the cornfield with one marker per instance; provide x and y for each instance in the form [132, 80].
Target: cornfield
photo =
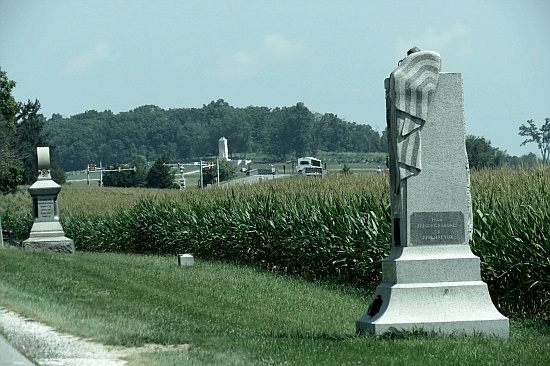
[334, 228]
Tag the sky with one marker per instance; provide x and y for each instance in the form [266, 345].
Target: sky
[332, 55]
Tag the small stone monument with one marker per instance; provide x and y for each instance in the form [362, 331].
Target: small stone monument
[431, 280]
[46, 232]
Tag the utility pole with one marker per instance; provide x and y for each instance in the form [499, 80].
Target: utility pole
[218, 170]
[100, 174]
[201, 175]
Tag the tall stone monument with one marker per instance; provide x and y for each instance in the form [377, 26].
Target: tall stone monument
[222, 149]
[431, 280]
[46, 232]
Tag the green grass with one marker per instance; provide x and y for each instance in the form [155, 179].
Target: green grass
[336, 227]
[230, 315]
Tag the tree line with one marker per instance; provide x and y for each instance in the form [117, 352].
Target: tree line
[190, 133]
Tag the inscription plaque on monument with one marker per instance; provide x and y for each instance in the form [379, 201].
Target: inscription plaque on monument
[437, 228]
[46, 208]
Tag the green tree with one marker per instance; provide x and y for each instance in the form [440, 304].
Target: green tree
[159, 175]
[58, 175]
[11, 171]
[123, 177]
[141, 171]
[11, 167]
[529, 159]
[262, 120]
[30, 135]
[301, 119]
[331, 129]
[227, 172]
[481, 154]
[293, 133]
[210, 174]
[8, 105]
[539, 136]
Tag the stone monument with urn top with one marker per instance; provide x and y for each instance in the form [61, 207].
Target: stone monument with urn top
[46, 232]
[431, 280]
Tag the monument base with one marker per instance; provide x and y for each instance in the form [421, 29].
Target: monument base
[59, 244]
[48, 236]
[457, 308]
[458, 303]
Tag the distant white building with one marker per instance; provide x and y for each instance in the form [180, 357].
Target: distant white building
[222, 147]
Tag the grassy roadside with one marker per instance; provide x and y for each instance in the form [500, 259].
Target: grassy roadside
[230, 315]
[336, 227]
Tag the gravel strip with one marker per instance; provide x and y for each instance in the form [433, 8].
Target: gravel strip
[51, 348]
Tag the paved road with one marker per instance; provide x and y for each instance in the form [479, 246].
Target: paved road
[9, 356]
[255, 179]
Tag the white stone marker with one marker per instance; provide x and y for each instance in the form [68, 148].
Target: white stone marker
[186, 260]
[431, 280]
[46, 232]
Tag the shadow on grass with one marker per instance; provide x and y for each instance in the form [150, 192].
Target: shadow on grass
[323, 336]
[517, 324]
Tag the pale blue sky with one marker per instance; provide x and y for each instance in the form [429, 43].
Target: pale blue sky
[331, 55]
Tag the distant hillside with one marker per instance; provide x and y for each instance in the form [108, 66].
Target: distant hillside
[188, 133]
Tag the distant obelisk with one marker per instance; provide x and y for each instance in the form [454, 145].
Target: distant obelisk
[222, 147]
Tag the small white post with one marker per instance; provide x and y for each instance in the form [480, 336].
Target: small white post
[100, 175]
[185, 260]
[201, 175]
[218, 170]
[1, 235]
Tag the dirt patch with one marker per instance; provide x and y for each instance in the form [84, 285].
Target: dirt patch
[49, 347]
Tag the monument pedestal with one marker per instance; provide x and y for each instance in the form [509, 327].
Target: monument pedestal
[431, 280]
[59, 244]
[435, 288]
[46, 232]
